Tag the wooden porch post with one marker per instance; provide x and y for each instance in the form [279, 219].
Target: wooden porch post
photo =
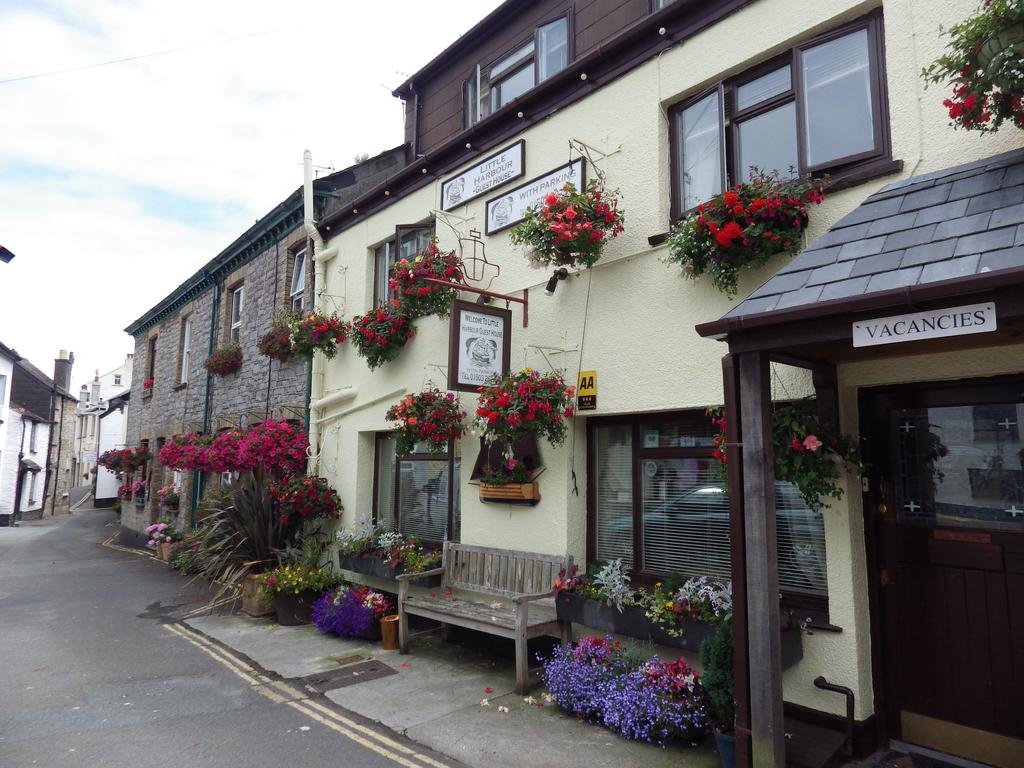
[734, 468]
[767, 737]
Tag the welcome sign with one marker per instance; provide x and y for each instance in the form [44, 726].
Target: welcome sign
[509, 209]
[489, 173]
[934, 324]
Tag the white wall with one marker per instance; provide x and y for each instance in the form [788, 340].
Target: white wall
[8, 453]
[641, 313]
[112, 435]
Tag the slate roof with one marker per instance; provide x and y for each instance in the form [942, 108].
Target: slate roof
[955, 223]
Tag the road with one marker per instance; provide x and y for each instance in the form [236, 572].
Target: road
[95, 671]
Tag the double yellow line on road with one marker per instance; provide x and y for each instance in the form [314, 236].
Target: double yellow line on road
[281, 692]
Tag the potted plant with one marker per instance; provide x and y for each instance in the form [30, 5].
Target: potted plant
[162, 538]
[379, 335]
[511, 482]
[643, 699]
[431, 418]
[982, 63]
[523, 404]
[147, 387]
[295, 587]
[317, 331]
[138, 492]
[572, 227]
[414, 297]
[225, 360]
[169, 497]
[352, 611]
[741, 228]
[276, 343]
[716, 658]
[385, 554]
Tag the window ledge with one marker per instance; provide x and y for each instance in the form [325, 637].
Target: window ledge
[862, 173]
[147, 393]
[183, 385]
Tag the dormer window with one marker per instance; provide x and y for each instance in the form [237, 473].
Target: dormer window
[493, 86]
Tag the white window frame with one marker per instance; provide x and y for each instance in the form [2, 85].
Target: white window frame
[186, 349]
[237, 305]
[32, 437]
[297, 290]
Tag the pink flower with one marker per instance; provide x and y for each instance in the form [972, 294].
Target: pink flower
[812, 443]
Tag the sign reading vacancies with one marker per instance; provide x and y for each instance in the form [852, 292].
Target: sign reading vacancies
[933, 324]
[493, 171]
[509, 209]
[480, 343]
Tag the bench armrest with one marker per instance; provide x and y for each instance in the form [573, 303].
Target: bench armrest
[517, 599]
[420, 575]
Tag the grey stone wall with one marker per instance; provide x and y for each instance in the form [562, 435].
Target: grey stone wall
[262, 388]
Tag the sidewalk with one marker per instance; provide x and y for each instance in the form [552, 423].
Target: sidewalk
[434, 696]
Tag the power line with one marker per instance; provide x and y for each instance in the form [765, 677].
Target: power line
[129, 58]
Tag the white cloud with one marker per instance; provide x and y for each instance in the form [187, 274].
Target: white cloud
[117, 182]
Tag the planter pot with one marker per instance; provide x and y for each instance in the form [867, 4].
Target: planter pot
[389, 632]
[511, 493]
[726, 743]
[1010, 39]
[293, 610]
[633, 622]
[255, 602]
[381, 569]
[163, 551]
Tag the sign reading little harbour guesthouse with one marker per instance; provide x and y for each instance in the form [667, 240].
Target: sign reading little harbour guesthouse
[491, 172]
[510, 208]
[480, 344]
[934, 324]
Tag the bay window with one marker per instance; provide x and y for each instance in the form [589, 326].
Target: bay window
[417, 495]
[658, 501]
[819, 107]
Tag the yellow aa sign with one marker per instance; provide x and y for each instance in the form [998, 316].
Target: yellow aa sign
[586, 391]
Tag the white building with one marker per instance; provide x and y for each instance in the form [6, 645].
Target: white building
[8, 460]
[92, 404]
[111, 434]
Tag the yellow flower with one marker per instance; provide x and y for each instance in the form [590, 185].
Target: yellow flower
[668, 604]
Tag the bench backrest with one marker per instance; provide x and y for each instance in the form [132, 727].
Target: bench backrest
[500, 571]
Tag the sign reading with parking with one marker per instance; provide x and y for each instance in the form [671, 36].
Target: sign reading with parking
[586, 391]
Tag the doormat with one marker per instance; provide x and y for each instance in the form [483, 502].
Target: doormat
[352, 674]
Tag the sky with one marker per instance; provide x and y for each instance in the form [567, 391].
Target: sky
[118, 181]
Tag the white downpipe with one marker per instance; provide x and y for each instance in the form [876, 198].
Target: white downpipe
[343, 394]
[321, 256]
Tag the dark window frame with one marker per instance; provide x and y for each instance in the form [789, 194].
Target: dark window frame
[395, 248]
[805, 605]
[485, 67]
[851, 166]
[395, 518]
[151, 358]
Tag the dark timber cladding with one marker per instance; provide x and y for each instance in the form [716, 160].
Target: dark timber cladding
[438, 86]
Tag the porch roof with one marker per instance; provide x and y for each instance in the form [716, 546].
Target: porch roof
[956, 231]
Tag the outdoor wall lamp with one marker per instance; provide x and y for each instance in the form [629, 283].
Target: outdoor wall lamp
[559, 274]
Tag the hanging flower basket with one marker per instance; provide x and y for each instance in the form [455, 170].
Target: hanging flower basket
[742, 228]
[432, 418]
[525, 402]
[414, 297]
[379, 335]
[572, 227]
[277, 342]
[169, 497]
[984, 64]
[305, 498]
[317, 331]
[225, 360]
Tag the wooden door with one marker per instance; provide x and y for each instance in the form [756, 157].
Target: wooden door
[949, 505]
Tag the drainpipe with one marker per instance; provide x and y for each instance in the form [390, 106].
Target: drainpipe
[197, 477]
[825, 685]
[321, 255]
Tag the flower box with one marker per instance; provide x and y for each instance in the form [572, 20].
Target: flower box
[510, 493]
[381, 569]
[633, 622]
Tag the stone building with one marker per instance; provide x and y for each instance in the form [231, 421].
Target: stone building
[232, 298]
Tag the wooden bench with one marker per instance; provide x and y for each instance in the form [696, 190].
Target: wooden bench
[520, 577]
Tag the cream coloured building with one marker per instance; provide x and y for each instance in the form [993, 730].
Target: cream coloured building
[668, 103]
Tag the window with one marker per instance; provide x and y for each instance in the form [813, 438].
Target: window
[235, 328]
[32, 438]
[117, 379]
[659, 503]
[150, 361]
[657, 5]
[296, 294]
[185, 358]
[411, 239]
[32, 478]
[417, 495]
[3, 390]
[817, 108]
[491, 87]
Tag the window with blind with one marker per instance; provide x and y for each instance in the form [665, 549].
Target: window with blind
[417, 495]
[659, 503]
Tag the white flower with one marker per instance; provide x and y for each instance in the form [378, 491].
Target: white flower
[530, 700]
[503, 710]
[485, 703]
